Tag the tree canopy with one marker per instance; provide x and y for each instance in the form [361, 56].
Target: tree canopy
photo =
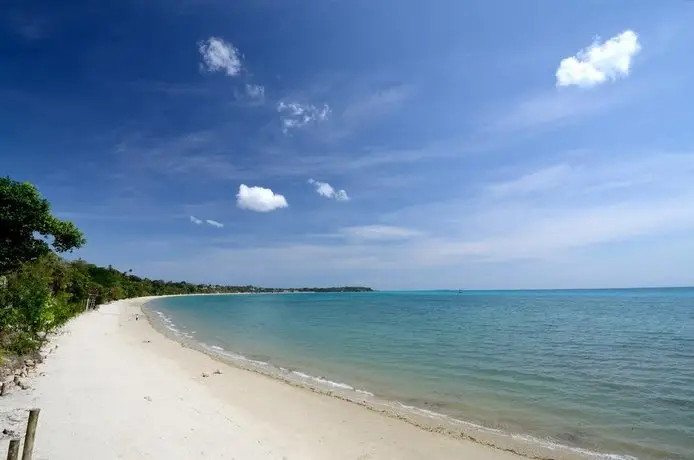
[28, 229]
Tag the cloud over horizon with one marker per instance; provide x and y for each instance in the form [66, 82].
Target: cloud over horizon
[259, 199]
[600, 62]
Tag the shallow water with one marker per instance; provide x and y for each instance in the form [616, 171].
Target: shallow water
[604, 370]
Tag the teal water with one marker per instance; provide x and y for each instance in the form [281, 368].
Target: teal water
[606, 371]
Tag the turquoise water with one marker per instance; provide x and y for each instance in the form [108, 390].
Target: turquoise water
[601, 370]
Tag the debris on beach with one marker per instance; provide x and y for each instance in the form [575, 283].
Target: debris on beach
[217, 371]
[205, 374]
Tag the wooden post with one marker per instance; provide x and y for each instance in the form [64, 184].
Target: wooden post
[3, 389]
[31, 434]
[13, 451]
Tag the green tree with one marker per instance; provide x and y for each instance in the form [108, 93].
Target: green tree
[28, 230]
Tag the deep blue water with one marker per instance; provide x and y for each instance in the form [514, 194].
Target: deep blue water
[603, 370]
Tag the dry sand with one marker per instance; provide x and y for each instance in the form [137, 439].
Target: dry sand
[117, 389]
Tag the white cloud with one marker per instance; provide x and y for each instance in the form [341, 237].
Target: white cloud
[255, 91]
[219, 55]
[211, 222]
[600, 62]
[326, 190]
[259, 199]
[296, 115]
[214, 223]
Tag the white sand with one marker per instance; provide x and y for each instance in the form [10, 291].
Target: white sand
[107, 394]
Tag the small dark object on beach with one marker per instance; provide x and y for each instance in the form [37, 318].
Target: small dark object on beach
[8, 432]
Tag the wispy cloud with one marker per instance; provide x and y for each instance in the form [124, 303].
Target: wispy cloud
[296, 115]
[378, 232]
[537, 181]
[171, 88]
[575, 204]
[377, 103]
[210, 222]
[600, 62]
[256, 92]
[214, 223]
[218, 55]
[259, 199]
[195, 155]
[326, 190]
[29, 26]
[543, 109]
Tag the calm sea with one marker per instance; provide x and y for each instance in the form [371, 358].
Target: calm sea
[597, 371]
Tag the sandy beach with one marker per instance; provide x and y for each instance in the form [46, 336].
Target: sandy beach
[114, 388]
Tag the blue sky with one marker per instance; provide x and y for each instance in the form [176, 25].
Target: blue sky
[395, 144]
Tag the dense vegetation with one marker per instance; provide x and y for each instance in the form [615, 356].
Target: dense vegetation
[40, 291]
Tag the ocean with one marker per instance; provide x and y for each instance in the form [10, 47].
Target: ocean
[588, 373]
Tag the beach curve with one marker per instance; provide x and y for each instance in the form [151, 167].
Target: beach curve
[117, 389]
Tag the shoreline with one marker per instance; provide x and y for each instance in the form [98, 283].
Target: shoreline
[119, 388]
[115, 388]
[524, 446]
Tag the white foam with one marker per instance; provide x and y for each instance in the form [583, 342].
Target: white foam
[330, 383]
[301, 374]
[420, 411]
[252, 361]
[552, 445]
[323, 381]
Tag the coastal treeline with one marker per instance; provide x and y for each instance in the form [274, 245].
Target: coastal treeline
[40, 290]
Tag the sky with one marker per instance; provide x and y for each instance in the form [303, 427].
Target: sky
[394, 144]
